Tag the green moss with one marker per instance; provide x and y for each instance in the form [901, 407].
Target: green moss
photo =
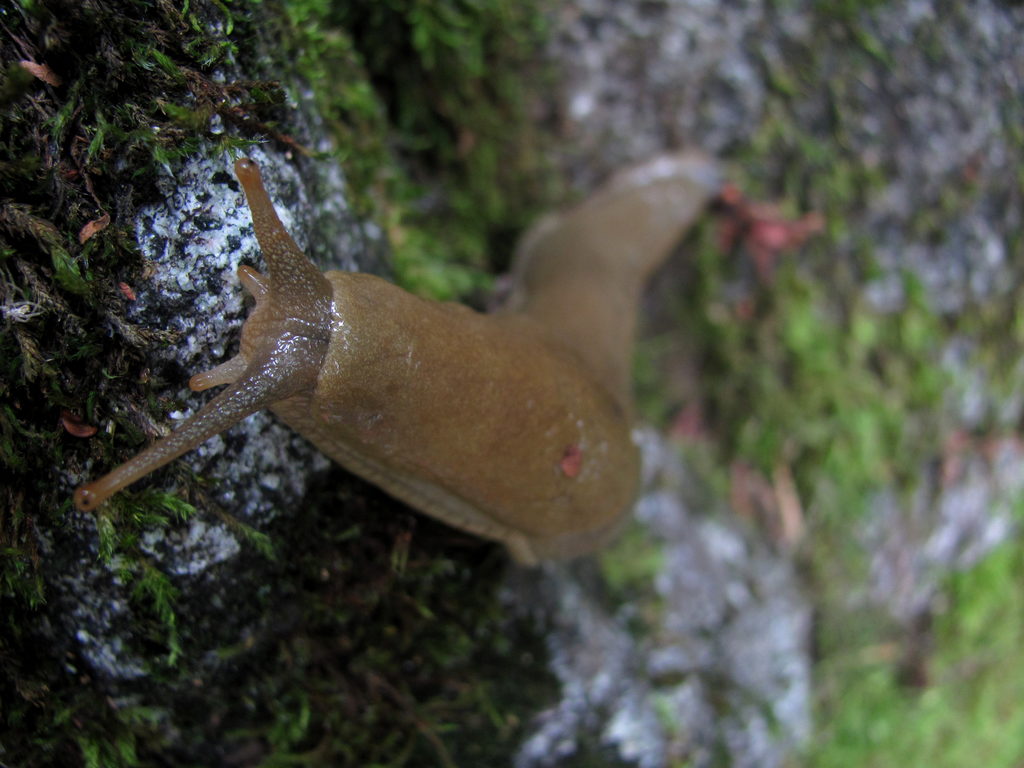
[790, 374]
[969, 711]
[450, 82]
[136, 92]
[399, 652]
[630, 563]
[135, 88]
[386, 653]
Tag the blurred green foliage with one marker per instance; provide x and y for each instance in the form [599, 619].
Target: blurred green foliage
[445, 86]
[968, 712]
[803, 371]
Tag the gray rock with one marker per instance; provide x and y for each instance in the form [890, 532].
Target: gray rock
[935, 108]
[195, 239]
[721, 665]
[961, 512]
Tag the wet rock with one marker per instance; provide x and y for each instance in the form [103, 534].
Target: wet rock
[963, 509]
[195, 239]
[710, 656]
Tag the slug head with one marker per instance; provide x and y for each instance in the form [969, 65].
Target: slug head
[284, 341]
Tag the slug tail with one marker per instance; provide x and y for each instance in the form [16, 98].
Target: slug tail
[579, 274]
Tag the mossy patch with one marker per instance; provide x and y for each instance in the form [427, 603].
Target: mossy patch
[964, 709]
[398, 653]
[453, 79]
[376, 650]
[129, 82]
[793, 373]
[114, 91]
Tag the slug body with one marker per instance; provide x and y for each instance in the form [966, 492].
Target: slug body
[515, 425]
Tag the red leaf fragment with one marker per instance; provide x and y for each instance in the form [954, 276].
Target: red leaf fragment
[730, 195]
[75, 425]
[689, 423]
[127, 291]
[762, 229]
[93, 227]
[572, 460]
[745, 309]
[41, 72]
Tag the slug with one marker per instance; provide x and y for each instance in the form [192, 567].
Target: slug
[514, 425]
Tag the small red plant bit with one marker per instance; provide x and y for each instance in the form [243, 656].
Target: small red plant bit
[689, 423]
[75, 425]
[955, 454]
[762, 229]
[41, 72]
[745, 309]
[93, 227]
[572, 460]
[730, 195]
[127, 291]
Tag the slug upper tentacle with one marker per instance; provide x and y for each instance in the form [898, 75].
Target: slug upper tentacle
[515, 426]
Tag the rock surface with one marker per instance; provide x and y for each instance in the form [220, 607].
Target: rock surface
[195, 239]
[707, 660]
[712, 657]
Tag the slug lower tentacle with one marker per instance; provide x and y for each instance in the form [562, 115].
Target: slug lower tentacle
[516, 425]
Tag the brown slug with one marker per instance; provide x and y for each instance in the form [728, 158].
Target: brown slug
[515, 425]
